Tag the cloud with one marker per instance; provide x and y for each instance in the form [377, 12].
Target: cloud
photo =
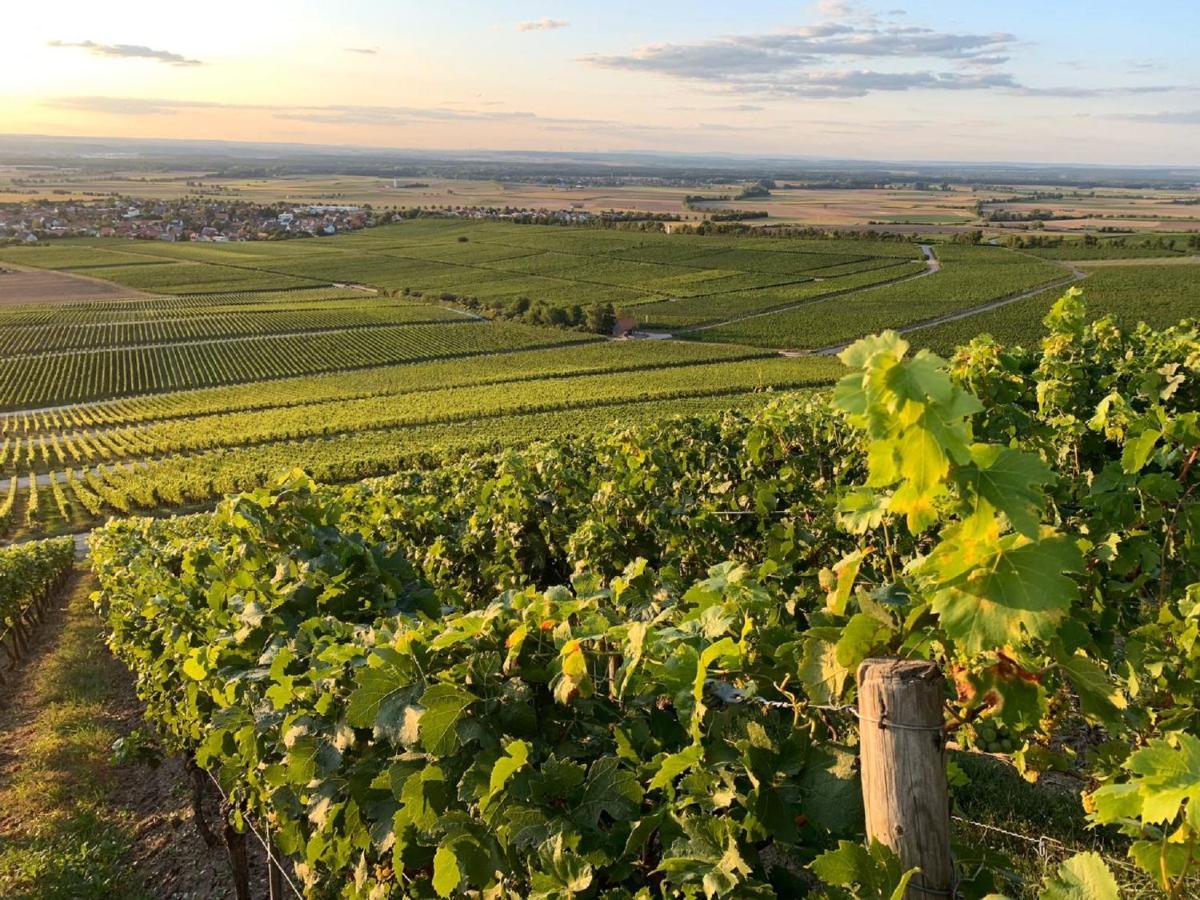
[826, 60]
[365, 51]
[1134, 66]
[1179, 117]
[129, 51]
[133, 106]
[797, 62]
[1084, 92]
[543, 25]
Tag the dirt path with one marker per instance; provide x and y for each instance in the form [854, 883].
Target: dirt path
[73, 824]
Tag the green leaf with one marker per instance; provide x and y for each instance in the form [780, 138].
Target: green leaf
[1084, 876]
[1170, 780]
[446, 874]
[1098, 694]
[1019, 591]
[874, 871]
[862, 634]
[1011, 481]
[445, 705]
[846, 571]
[674, 765]
[560, 873]
[193, 668]
[516, 754]
[1137, 451]
[610, 790]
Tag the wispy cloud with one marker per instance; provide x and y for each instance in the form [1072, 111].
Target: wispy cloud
[826, 60]
[1178, 117]
[543, 25]
[134, 106]
[365, 51]
[797, 62]
[1084, 92]
[129, 51]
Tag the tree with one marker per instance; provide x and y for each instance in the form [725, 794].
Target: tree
[601, 319]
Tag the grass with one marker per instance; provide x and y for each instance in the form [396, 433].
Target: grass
[1035, 826]
[63, 836]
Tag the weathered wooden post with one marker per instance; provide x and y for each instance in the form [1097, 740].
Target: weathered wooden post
[903, 750]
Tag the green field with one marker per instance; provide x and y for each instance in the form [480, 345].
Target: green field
[1160, 296]
[348, 355]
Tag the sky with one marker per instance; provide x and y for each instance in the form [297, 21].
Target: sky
[1063, 81]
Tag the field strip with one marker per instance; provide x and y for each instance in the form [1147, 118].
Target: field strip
[147, 395]
[586, 403]
[233, 339]
[16, 411]
[1136, 261]
[932, 265]
[962, 313]
[150, 421]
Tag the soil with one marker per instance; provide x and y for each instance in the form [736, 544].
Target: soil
[20, 286]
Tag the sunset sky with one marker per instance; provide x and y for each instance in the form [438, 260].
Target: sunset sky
[1061, 81]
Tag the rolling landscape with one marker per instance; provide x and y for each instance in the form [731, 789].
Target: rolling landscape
[728, 480]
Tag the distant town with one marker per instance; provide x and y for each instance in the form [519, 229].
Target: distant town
[177, 220]
[217, 220]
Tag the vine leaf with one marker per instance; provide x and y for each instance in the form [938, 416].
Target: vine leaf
[1011, 481]
[516, 755]
[446, 874]
[445, 705]
[1018, 589]
[1085, 876]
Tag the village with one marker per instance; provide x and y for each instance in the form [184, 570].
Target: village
[178, 220]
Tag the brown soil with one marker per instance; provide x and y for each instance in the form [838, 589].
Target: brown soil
[20, 286]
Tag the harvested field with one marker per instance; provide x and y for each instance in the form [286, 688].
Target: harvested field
[21, 286]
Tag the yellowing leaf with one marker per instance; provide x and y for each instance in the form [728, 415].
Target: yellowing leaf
[1020, 590]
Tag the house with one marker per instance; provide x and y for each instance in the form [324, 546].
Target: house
[624, 325]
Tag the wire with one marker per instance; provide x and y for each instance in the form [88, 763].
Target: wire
[272, 859]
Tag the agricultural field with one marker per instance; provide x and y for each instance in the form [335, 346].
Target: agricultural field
[457, 453]
[969, 277]
[206, 369]
[1158, 295]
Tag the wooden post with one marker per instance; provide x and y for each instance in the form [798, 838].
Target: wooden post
[903, 749]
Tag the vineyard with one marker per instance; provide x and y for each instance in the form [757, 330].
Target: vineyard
[624, 663]
[970, 277]
[170, 401]
[490, 262]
